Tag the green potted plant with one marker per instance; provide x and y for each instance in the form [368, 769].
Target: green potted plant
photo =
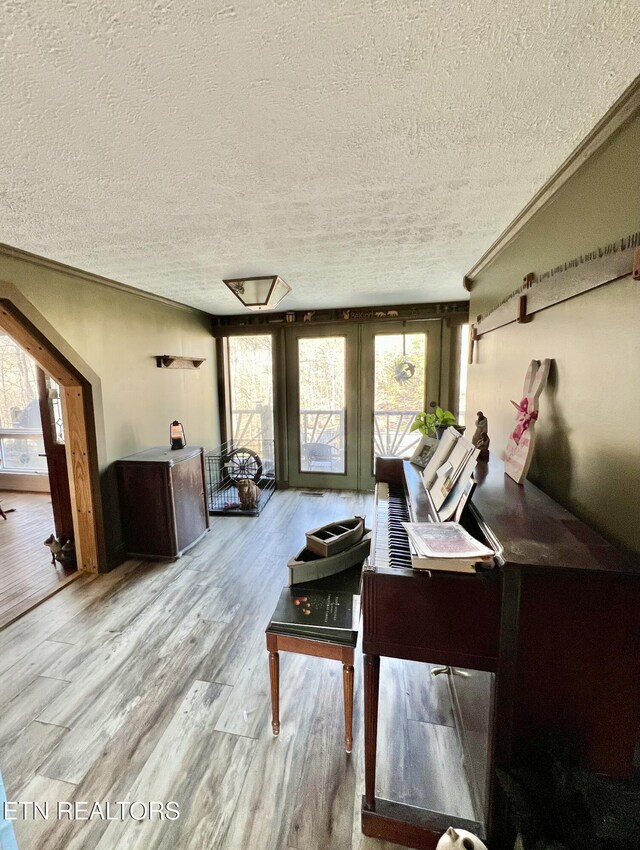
[433, 424]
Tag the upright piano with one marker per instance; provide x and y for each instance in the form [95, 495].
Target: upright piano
[556, 622]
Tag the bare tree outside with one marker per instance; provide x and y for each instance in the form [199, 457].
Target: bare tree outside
[400, 362]
[20, 427]
[251, 391]
[399, 391]
[322, 378]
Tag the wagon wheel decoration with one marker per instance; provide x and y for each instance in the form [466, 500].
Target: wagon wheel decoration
[243, 463]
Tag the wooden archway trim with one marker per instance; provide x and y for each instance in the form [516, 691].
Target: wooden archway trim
[81, 461]
[26, 336]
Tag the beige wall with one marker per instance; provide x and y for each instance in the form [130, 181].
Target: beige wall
[588, 450]
[117, 334]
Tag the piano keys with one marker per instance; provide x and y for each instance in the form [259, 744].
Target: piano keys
[557, 585]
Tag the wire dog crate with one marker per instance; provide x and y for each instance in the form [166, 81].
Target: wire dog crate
[233, 462]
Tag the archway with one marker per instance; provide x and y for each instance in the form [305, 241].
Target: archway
[38, 339]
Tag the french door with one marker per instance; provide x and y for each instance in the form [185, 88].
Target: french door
[53, 436]
[353, 393]
[400, 377]
[322, 365]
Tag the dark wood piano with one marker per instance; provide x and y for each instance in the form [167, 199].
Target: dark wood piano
[556, 628]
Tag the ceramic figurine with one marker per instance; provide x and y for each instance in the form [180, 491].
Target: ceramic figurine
[65, 553]
[54, 545]
[459, 839]
[483, 445]
[482, 427]
[248, 493]
[519, 453]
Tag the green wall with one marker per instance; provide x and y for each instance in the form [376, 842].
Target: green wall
[117, 334]
[587, 454]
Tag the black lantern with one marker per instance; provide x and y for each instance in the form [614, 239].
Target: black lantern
[177, 436]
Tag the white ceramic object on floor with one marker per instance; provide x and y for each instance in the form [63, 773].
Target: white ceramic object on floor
[459, 839]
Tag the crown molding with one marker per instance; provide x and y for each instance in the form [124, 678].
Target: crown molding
[623, 110]
[72, 271]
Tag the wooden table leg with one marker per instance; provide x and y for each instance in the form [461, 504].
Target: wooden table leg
[347, 683]
[274, 675]
[371, 688]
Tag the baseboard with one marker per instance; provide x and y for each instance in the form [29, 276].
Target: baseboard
[27, 482]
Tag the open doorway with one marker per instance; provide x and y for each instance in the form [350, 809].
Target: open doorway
[79, 396]
[34, 487]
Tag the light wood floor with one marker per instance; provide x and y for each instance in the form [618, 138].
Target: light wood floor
[151, 683]
[26, 572]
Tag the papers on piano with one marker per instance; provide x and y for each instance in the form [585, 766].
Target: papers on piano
[446, 546]
[446, 475]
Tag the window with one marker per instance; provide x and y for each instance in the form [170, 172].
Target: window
[462, 372]
[321, 390]
[251, 396]
[21, 445]
[399, 391]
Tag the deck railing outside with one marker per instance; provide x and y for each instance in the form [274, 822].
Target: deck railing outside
[391, 434]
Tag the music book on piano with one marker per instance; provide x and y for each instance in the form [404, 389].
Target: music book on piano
[452, 469]
[446, 546]
[325, 614]
[444, 449]
[455, 501]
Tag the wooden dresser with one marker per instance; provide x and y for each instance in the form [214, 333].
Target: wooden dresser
[163, 503]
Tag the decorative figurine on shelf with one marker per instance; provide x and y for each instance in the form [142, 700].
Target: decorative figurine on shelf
[482, 427]
[177, 435]
[480, 437]
[248, 493]
[519, 453]
[483, 445]
[459, 839]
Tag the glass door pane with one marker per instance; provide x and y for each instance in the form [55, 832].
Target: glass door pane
[400, 376]
[251, 396]
[322, 404]
[400, 362]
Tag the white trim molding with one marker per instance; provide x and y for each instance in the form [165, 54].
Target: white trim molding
[623, 110]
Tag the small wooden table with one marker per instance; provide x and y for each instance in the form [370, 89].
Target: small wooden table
[277, 641]
[336, 649]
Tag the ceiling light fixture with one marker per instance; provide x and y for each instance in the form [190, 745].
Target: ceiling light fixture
[259, 293]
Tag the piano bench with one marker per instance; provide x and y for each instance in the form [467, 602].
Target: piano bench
[278, 641]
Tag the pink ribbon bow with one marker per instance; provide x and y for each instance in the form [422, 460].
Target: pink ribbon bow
[524, 418]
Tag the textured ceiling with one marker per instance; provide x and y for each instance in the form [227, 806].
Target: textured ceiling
[368, 152]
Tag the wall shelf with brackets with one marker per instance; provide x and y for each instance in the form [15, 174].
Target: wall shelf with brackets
[175, 361]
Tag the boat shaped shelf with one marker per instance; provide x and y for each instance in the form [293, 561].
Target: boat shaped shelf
[309, 566]
[335, 537]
